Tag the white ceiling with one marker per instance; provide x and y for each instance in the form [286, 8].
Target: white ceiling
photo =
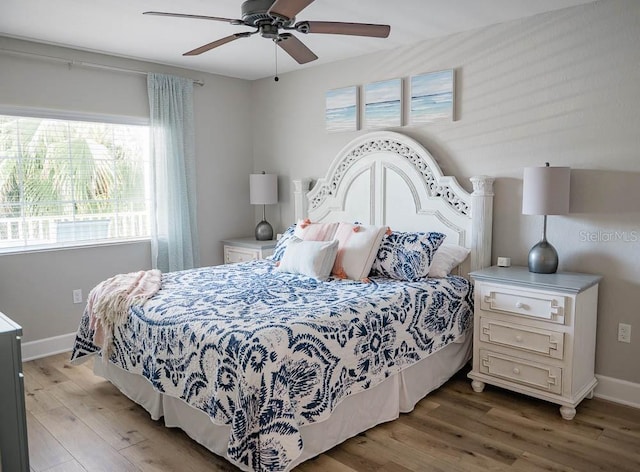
[118, 27]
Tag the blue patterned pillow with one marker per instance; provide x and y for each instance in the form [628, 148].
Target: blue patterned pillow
[407, 256]
[282, 244]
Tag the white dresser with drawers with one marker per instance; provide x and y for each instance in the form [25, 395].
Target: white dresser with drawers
[536, 334]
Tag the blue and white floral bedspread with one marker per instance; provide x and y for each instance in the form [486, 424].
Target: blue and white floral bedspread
[266, 351]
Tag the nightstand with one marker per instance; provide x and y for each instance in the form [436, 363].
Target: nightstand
[536, 334]
[246, 249]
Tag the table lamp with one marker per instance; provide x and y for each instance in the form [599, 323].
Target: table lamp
[545, 191]
[263, 190]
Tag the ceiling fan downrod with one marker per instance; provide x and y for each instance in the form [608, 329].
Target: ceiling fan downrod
[275, 49]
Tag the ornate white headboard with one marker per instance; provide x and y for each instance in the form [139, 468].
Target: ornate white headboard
[387, 178]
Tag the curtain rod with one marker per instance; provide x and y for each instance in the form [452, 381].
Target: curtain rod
[72, 62]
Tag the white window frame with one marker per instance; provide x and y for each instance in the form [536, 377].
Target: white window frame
[28, 112]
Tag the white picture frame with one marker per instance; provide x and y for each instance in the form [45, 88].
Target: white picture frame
[383, 104]
[432, 97]
[342, 111]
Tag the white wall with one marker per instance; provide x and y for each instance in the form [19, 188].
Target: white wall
[35, 288]
[559, 87]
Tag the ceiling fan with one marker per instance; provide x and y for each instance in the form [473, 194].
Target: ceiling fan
[273, 19]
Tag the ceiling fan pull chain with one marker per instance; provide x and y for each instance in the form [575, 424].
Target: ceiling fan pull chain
[275, 50]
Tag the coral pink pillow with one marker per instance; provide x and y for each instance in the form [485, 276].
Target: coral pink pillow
[357, 249]
[308, 231]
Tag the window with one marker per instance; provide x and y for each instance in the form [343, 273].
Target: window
[66, 182]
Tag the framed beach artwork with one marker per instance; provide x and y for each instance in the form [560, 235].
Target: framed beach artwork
[341, 109]
[383, 104]
[431, 97]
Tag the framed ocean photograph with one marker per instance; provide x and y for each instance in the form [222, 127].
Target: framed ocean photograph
[383, 104]
[341, 109]
[432, 97]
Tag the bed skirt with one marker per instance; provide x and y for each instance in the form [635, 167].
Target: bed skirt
[356, 413]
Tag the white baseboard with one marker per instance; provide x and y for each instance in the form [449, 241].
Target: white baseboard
[619, 391]
[47, 347]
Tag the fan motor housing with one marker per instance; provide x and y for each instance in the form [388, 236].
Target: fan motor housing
[254, 13]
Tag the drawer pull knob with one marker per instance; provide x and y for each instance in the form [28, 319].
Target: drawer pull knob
[519, 338]
[522, 306]
[516, 371]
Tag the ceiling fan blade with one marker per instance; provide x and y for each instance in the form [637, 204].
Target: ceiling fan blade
[296, 48]
[197, 17]
[215, 44]
[352, 29]
[288, 8]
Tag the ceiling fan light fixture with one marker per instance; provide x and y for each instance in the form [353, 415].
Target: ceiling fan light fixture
[269, 31]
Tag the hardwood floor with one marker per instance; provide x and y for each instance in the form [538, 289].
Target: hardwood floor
[79, 422]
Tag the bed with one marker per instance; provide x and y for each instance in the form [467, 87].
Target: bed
[269, 368]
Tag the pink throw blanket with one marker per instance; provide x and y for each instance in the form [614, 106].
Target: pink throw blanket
[109, 302]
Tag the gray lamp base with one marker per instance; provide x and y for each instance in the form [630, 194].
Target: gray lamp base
[543, 258]
[264, 231]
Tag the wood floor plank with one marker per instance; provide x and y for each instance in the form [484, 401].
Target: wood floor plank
[532, 463]
[81, 374]
[70, 394]
[323, 463]
[37, 398]
[44, 372]
[355, 457]
[113, 429]
[172, 439]
[416, 450]
[44, 449]
[109, 396]
[505, 436]
[72, 466]
[91, 451]
[393, 467]
[616, 439]
[614, 411]
[588, 450]
[444, 425]
[400, 431]
[460, 395]
[400, 454]
[151, 456]
[606, 417]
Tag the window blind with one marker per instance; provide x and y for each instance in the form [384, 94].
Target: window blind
[65, 182]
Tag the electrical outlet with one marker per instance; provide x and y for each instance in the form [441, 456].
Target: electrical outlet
[77, 295]
[624, 333]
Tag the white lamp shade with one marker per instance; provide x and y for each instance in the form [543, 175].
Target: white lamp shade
[545, 190]
[263, 189]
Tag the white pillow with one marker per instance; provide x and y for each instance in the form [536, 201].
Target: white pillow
[312, 258]
[446, 258]
[357, 249]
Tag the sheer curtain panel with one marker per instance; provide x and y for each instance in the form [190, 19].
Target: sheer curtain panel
[174, 233]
